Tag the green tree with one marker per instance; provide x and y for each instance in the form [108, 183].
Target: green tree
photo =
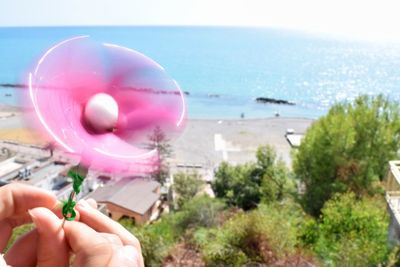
[348, 149]
[186, 186]
[159, 141]
[245, 185]
[273, 174]
[237, 185]
[350, 231]
[50, 146]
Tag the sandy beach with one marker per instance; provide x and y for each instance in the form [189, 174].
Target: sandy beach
[204, 142]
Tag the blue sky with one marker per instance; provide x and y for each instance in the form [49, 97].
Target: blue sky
[374, 19]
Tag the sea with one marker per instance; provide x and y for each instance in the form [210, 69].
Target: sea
[224, 69]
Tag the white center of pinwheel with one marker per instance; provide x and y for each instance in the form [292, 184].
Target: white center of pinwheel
[101, 112]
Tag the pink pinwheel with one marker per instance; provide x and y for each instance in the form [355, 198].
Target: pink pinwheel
[102, 101]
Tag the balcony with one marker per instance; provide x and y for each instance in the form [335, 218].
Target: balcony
[393, 200]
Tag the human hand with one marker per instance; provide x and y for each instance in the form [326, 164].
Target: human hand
[96, 240]
[15, 201]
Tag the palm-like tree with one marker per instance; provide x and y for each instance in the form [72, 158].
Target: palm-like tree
[50, 146]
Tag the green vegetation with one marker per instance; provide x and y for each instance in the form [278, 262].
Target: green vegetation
[274, 175]
[348, 149]
[18, 232]
[350, 232]
[158, 239]
[237, 185]
[246, 185]
[257, 217]
[341, 220]
[159, 141]
[186, 186]
[264, 235]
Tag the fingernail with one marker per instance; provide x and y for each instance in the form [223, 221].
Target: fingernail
[2, 261]
[33, 214]
[83, 203]
[58, 205]
[129, 254]
[94, 202]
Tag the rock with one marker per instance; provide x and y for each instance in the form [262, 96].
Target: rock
[10, 85]
[266, 100]
[213, 95]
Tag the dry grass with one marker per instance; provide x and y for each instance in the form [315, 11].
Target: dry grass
[21, 135]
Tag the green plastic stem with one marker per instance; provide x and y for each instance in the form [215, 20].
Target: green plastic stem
[68, 211]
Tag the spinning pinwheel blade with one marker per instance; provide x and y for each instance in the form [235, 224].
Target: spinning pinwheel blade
[102, 101]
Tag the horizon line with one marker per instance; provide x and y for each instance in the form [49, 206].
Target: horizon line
[311, 33]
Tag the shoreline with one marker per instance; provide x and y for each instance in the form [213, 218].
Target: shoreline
[7, 109]
[208, 142]
[252, 119]
[205, 142]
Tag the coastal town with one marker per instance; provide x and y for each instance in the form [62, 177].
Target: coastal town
[204, 133]
[227, 155]
[26, 159]
[139, 200]
[136, 197]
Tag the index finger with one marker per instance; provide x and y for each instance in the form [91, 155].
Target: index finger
[102, 223]
[96, 248]
[17, 199]
[87, 244]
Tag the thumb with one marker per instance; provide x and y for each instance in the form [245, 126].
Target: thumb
[52, 249]
[2, 261]
[126, 256]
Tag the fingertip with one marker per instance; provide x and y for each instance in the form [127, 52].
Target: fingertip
[131, 254]
[2, 261]
[126, 256]
[36, 217]
[102, 223]
[59, 204]
[52, 249]
[79, 235]
[92, 202]
[44, 219]
[17, 199]
[84, 204]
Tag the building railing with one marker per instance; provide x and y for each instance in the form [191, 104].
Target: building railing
[393, 177]
[393, 200]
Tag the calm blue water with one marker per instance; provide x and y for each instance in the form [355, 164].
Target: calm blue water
[238, 64]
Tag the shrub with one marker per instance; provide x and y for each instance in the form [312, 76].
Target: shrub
[273, 174]
[267, 234]
[202, 211]
[350, 232]
[246, 185]
[159, 239]
[186, 186]
[237, 185]
[348, 149]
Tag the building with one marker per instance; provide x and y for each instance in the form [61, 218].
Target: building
[393, 201]
[132, 197]
[31, 164]
[136, 198]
